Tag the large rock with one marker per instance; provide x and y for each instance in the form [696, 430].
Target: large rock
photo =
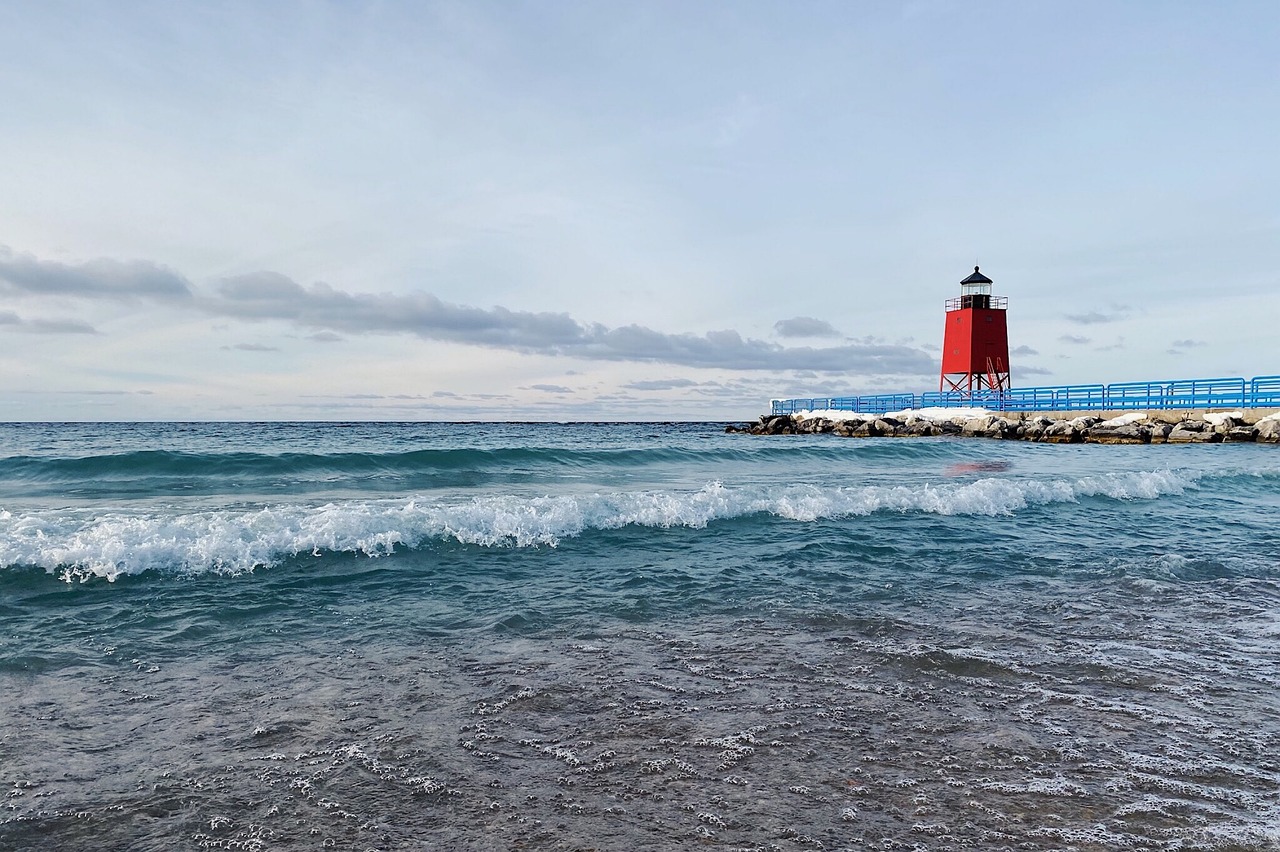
[1268, 431]
[778, 424]
[919, 428]
[887, 426]
[865, 429]
[1126, 433]
[815, 425]
[976, 426]
[1033, 429]
[1187, 432]
[1225, 426]
[1004, 427]
[991, 426]
[1061, 432]
[1223, 422]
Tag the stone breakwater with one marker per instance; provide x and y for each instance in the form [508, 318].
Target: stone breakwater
[1136, 428]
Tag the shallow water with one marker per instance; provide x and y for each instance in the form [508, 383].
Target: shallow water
[633, 636]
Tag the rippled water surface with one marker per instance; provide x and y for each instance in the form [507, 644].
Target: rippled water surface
[576, 636]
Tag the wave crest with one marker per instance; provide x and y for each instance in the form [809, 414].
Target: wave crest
[79, 544]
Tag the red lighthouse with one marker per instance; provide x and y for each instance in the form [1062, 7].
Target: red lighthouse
[975, 348]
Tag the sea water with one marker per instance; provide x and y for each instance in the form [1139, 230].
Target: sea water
[632, 636]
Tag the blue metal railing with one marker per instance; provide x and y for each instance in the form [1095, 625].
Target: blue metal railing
[1265, 392]
[879, 404]
[1260, 392]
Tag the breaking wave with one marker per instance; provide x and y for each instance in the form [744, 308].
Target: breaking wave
[79, 544]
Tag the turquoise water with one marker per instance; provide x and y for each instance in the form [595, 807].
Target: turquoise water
[621, 636]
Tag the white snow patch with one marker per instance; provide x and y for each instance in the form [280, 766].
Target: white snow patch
[906, 415]
[1217, 418]
[1125, 419]
[948, 413]
[832, 414]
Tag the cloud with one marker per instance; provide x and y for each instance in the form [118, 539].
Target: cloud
[804, 327]
[358, 396]
[1024, 350]
[326, 337]
[1073, 339]
[40, 326]
[1031, 371]
[271, 296]
[1118, 312]
[1187, 344]
[101, 278]
[442, 394]
[45, 326]
[253, 347]
[329, 312]
[660, 384]
[87, 392]
[551, 388]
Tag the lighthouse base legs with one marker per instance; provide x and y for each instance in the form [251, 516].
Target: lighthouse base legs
[974, 384]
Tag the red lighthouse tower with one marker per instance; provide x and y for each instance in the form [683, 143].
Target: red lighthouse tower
[975, 348]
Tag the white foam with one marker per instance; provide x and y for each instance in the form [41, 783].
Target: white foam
[1054, 786]
[82, 544]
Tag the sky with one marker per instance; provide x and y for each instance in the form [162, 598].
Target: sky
[620, 211]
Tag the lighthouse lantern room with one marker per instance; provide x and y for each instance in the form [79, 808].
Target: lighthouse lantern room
[975, 349]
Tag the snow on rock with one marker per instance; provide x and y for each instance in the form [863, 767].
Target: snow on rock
[834, 415]
[1125, 419]
[949, 413]
[907, 414]
[1219, 417]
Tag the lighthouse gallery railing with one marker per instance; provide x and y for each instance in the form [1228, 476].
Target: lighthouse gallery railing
[1260, 392]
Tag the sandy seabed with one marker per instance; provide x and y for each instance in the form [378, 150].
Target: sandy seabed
[830, 733]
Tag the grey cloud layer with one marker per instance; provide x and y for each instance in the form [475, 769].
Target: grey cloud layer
[660, 384]
[1118, 313]
[805, 327]
[253, 347]
[44, 326]
[271, 296]
[101, 278]
[328, 311]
